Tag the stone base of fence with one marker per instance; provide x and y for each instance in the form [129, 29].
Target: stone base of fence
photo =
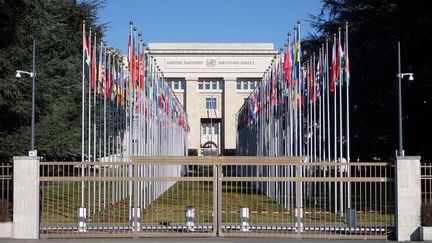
[408, 198]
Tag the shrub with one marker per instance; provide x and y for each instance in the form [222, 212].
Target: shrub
[426, 214]
[5, 211]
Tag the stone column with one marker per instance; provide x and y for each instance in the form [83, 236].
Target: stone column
[408, 198]
[26, 197]
[229, 111]
[191, 106]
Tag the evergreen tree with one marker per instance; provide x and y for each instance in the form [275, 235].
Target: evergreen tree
[375, 28]
[56, 26]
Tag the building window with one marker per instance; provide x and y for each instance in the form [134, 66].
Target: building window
[200, 85]
[252, 85]
[207, 85]
[176, 84]
[214, 84]
[238, 85]
[220, 84]
[183, 84]
[245, 84]
[204, 128]
[210, 103]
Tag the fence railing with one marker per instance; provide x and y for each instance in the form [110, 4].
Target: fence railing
[6, 192]
[226, 196]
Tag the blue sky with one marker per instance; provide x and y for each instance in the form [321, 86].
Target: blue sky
[206, 20]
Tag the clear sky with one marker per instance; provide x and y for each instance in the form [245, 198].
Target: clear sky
[206, 20]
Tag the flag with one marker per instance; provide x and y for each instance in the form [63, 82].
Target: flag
[87, 55]
[346, 62]
[93, 66]
[333, 68]
[287, 66]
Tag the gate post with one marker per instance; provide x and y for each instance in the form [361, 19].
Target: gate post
[408, 198]
[26, 197]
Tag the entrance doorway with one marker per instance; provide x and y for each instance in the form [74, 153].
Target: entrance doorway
[210, 137]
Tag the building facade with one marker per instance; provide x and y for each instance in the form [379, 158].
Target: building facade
[212, 81]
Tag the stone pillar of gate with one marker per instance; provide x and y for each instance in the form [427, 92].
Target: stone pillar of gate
[408, 198]
[26, 197]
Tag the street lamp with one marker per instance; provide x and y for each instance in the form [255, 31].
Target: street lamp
[32, 74]
[400, 75]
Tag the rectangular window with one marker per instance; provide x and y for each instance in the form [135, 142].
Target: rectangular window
[214, 84]
[169, 83]
[245, 84]
[210, 103]
[207, 85]
[238, 85]
[220, 84]
[183, 84]
[252, 85]
[176, 84]
[200, 85]
[204, 128]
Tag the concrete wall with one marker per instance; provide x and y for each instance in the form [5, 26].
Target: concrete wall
[408, 198]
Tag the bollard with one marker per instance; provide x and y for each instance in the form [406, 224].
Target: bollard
[190, 218]
[298, 219]
[82, 215]
[351, 218]
[132, 218]
[244, 219]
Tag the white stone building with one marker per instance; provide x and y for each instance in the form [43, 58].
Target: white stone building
[212, 80]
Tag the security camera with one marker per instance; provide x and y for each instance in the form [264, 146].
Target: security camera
[18, 75]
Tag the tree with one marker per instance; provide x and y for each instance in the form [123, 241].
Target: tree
[375, 28]
[56, 26]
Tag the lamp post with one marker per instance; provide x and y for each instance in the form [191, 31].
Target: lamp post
[32, 74]
[400, 75]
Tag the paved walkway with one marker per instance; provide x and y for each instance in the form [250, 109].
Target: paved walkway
[187, 240]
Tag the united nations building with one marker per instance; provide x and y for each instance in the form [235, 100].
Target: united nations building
[212, 81]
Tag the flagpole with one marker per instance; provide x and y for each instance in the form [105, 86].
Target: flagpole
[334, 117]
[89, 123]
[340, 125]
[94, 119]
[300, 108]
[83, 115]
[328, 103]
[347, 111]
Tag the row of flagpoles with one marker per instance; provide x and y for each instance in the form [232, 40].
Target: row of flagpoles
[128, 109]
[298, 108]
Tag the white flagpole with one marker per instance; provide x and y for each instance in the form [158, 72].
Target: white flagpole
[89, 125]
[94, 122]
[328, 103]
[341, 192]
[347, 115]
[83, 115]
[335, 121]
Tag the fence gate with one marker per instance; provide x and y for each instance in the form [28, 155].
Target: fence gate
[217, 196]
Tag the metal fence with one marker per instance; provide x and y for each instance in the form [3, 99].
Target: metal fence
[224, 196]
[6, 192]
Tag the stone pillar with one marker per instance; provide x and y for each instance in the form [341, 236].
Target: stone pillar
[408, 198]
[230, 110]
[192, 111]
[26, 197]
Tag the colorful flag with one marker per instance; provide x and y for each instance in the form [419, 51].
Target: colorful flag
[287, 66]
[346, 62]
[333, 68]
